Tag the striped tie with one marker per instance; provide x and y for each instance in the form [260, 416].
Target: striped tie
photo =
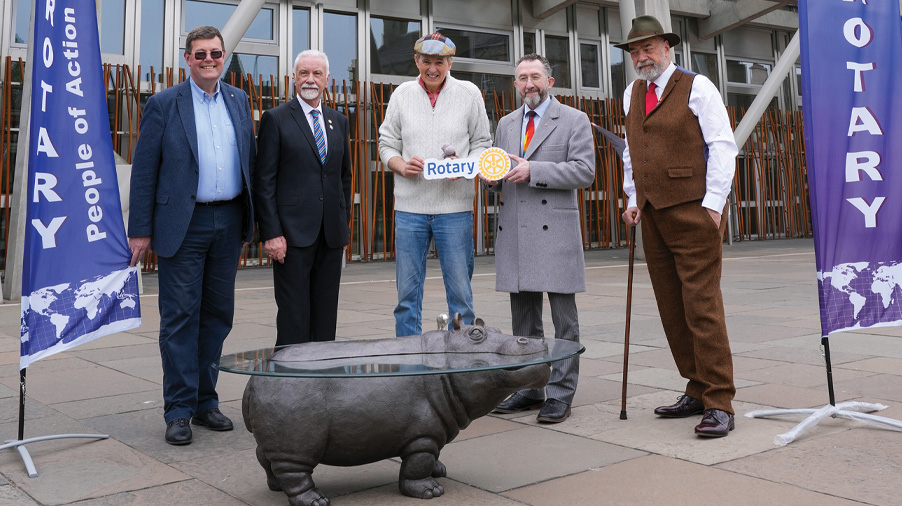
[318, 135]
[530, 130]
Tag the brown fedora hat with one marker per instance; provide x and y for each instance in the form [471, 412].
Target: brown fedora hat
[645, 27]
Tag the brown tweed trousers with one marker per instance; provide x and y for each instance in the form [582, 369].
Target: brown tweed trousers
[683, 247]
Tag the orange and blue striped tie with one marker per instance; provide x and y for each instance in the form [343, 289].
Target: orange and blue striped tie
[530, 129]
[318, 135]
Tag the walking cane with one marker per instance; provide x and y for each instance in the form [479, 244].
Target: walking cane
[626, 337]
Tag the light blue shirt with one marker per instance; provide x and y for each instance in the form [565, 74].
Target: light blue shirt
[217, 147]
[540, 111]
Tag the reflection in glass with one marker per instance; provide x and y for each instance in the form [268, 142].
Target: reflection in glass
[588, 60]
[706, 65]
[112, 26]
[618, 72]
[489, 83]
[529, 42]
[23, 17]
[391, 46]
[557, 50]
[300, 26]
[200, 12]
[340, 43]
[253, 64]
[743, 100]
[746, 72]
[151, 45]
[479, 45]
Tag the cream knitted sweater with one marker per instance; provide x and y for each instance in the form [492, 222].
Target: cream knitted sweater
[412, 128]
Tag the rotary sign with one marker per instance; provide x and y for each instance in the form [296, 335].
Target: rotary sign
[493, 164]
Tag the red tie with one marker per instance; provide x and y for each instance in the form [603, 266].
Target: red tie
[530, 129]
[651, 98]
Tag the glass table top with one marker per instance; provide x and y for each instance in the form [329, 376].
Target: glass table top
[348, 361]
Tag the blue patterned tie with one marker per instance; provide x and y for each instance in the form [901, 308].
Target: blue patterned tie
[318, 135]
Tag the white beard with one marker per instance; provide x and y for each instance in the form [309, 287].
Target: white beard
[650, 72]
[534, 100]
[309, 93]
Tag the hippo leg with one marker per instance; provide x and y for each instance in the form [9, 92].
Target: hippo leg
[439, 470]
[297, 483]
[419, 466]
[271, 481]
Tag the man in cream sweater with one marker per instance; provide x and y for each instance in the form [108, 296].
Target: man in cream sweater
[423, 116]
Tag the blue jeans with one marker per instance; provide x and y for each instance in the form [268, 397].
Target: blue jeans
[197, 302]
[453, 235]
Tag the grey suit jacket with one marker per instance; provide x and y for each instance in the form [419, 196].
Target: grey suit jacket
[538, 244]
[165, 166]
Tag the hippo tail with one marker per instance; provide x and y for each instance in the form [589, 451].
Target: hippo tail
[246, 406]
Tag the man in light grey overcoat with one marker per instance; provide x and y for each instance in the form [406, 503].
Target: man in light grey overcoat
[538, 244]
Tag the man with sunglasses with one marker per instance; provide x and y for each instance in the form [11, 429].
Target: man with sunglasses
[190, 204]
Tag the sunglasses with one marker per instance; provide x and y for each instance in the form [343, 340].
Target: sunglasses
[202, 55]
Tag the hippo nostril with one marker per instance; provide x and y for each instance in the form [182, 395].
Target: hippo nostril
[522, 340]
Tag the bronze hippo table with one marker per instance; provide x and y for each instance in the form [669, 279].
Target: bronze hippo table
[347, 403]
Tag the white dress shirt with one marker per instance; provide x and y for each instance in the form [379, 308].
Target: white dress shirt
[707, 105]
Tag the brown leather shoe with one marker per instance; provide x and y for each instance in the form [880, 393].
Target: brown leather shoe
[685, 406]
[715, 423]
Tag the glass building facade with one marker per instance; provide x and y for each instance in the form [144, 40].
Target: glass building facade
[370, 42]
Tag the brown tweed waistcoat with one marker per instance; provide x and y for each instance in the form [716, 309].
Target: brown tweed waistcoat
[667, 149]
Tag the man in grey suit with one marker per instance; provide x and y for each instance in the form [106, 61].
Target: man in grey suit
[190, 203]
[538, 245]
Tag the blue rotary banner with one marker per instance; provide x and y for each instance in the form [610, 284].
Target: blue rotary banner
[76, 282]
[852, 98]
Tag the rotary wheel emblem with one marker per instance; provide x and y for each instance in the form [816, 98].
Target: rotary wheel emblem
[494, 164]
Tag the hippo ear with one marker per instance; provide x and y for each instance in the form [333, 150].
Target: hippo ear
[457, 321]
[479, 322]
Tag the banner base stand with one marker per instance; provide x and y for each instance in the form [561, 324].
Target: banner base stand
[852, 410]
[19, 445]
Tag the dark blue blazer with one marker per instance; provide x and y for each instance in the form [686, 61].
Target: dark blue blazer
[165, 167]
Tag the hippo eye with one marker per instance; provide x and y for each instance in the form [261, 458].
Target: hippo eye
[476, 334]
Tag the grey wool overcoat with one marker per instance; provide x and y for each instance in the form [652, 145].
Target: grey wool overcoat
[538, 243]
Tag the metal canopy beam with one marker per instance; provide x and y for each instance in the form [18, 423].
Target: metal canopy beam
[240, 21]
[728, 14]
[541, 9]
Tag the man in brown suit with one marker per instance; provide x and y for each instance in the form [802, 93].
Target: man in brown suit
[678, 168]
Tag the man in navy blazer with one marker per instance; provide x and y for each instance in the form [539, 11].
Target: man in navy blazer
[302, 193]
[191, 204]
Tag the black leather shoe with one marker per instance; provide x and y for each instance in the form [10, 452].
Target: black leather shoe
[517, 403]
[554, 411]
[685, 406]
[715, 423]
[178, 432]
[213, 420]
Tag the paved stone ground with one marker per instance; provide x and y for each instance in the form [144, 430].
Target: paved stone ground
[112, 385]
